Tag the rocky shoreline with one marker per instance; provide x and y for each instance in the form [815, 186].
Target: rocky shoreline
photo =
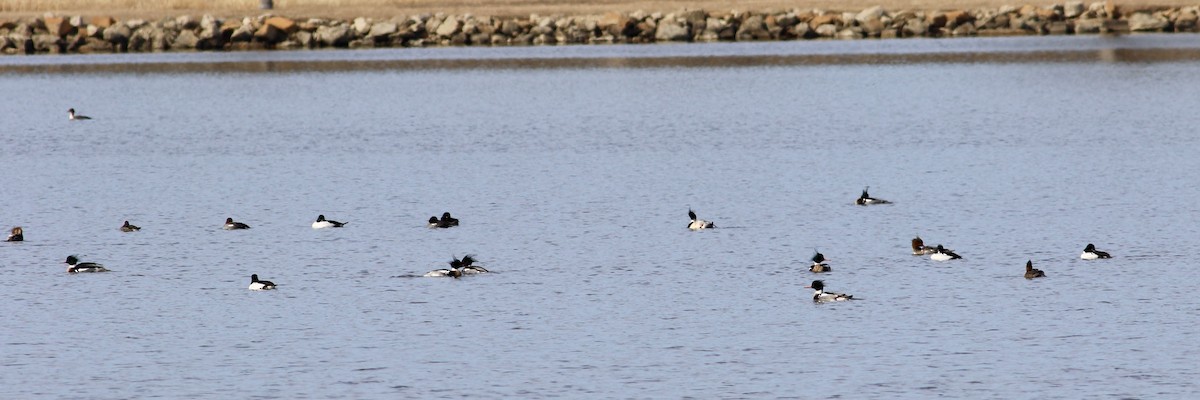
[103, 34]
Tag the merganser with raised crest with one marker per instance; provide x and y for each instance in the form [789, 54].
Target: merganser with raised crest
[819, 264]
[866, 199]
[821, 296]
[1031, 272]
[698, 224]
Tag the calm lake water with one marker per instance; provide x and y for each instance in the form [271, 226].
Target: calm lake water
[572, 170]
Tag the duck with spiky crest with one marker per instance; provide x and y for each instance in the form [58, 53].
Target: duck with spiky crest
[1031, 272]
[818, 263]
[866, 200]
[698, 224]
[821, 296]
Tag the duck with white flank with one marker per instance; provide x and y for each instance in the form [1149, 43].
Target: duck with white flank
[821, 296]
[130, 227]
[325, 223]
[17, 235]
[230, 225]
[469, 267]
[75, 117]
[74, 266]
[1031, 272]
[455, 270]
[919, 248]
[1090, 253]
[866, 199]
[942, 254]
[819, 264]
[256, 284]
[698, 224]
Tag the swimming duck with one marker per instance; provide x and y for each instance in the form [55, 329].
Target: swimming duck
[1090, 253]
[72, 116]
[819, 264]
[130, 227]
[866, 199]
[1031, 272]
[821, 296]
[256, 284]
[698, 224]
[919, 248]
[455, 270]
[468, 266]
[74, 266]
[230, 225]
[17, 235]
[325, 223]
[446, 221]
[941, 254]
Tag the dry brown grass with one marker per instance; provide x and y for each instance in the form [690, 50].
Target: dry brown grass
[388, 8]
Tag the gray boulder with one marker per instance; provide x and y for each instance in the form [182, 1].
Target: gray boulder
[448, 27]
[1073, 9]
[383, 30]
[870, 14]
[674, 31]
[185, 40]
[753, 28]
[118, 33]
[1145, 22]
[338, 36]
[44, 42]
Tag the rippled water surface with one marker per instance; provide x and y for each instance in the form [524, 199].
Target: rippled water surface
[573, 184]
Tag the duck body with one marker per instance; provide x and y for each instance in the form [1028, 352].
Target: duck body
[231, 225]
[17, 235]
[256, 284]
[821, 296]
[322, 223]
[445, 222]
[919, 248]
[75, 267]
[699, 224]
[469, 267]
[130, 227]
[455, 270]
[1031, 272]
[71, 115]
[1090, 253]
[942, 254]
[818, 264]
[865, 199]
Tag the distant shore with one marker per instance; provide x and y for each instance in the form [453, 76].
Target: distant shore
[283, 29]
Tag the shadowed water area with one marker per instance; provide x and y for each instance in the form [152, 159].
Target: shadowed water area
[572, 170]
